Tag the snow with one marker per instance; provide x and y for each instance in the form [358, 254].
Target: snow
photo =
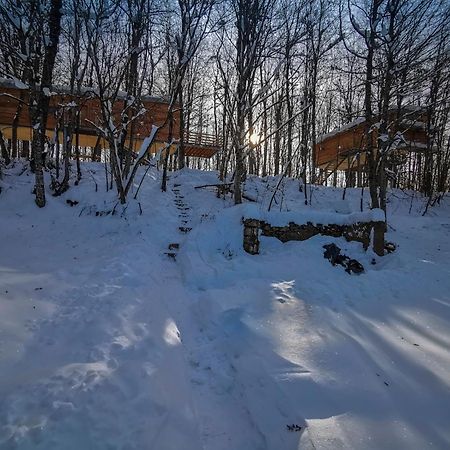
[146, 143]
[19, 84]
[406, 109]
[105, 342]
[412, 144]
[13, 83]
[415, 124]
[280, 219]
[340, 130]
[16, 83]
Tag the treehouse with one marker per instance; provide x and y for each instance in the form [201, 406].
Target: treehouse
[344, 149]
[15, 121]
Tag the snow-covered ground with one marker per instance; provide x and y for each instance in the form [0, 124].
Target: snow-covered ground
[108, 343]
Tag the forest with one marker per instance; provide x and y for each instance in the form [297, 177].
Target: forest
[224, 224]
[266, 78]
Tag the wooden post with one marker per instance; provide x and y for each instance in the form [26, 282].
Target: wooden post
[358, 171]
[25, 150]
[378, 238]
[336, 169]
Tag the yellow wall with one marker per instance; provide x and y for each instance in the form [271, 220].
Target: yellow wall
[85, 140]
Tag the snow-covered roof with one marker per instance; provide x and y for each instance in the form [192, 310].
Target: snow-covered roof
[412, 144]
[15, 83]
[281, 219]
[337, 131]
[407, 109]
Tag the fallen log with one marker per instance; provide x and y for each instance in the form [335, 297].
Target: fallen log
[218, 185]
[225, 188]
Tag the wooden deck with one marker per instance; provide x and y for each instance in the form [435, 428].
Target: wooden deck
[201, 145]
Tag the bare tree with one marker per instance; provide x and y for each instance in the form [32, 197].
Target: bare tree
[252, 22]
[194, 18]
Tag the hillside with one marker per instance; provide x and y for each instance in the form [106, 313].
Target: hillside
[107, 342]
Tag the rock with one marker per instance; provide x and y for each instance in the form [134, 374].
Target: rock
[354, 266]
[333, 254]
[390, 247]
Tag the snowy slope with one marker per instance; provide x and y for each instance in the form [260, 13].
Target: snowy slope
[108, 343]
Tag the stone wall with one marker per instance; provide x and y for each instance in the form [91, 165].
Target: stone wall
[359, 232]
[251, 239]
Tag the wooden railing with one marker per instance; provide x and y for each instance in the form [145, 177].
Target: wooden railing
[202, 139]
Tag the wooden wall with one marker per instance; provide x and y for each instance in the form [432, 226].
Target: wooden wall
[338, 144]
[332, 149]
[90, 111]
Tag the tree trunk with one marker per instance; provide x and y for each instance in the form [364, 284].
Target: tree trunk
[4, 149]
[36, 151]
[181, 155]
[39, 101]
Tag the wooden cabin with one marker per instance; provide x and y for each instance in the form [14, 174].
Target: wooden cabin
[13, 93]
[344, 149]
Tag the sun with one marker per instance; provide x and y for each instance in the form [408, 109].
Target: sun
[255, 138]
